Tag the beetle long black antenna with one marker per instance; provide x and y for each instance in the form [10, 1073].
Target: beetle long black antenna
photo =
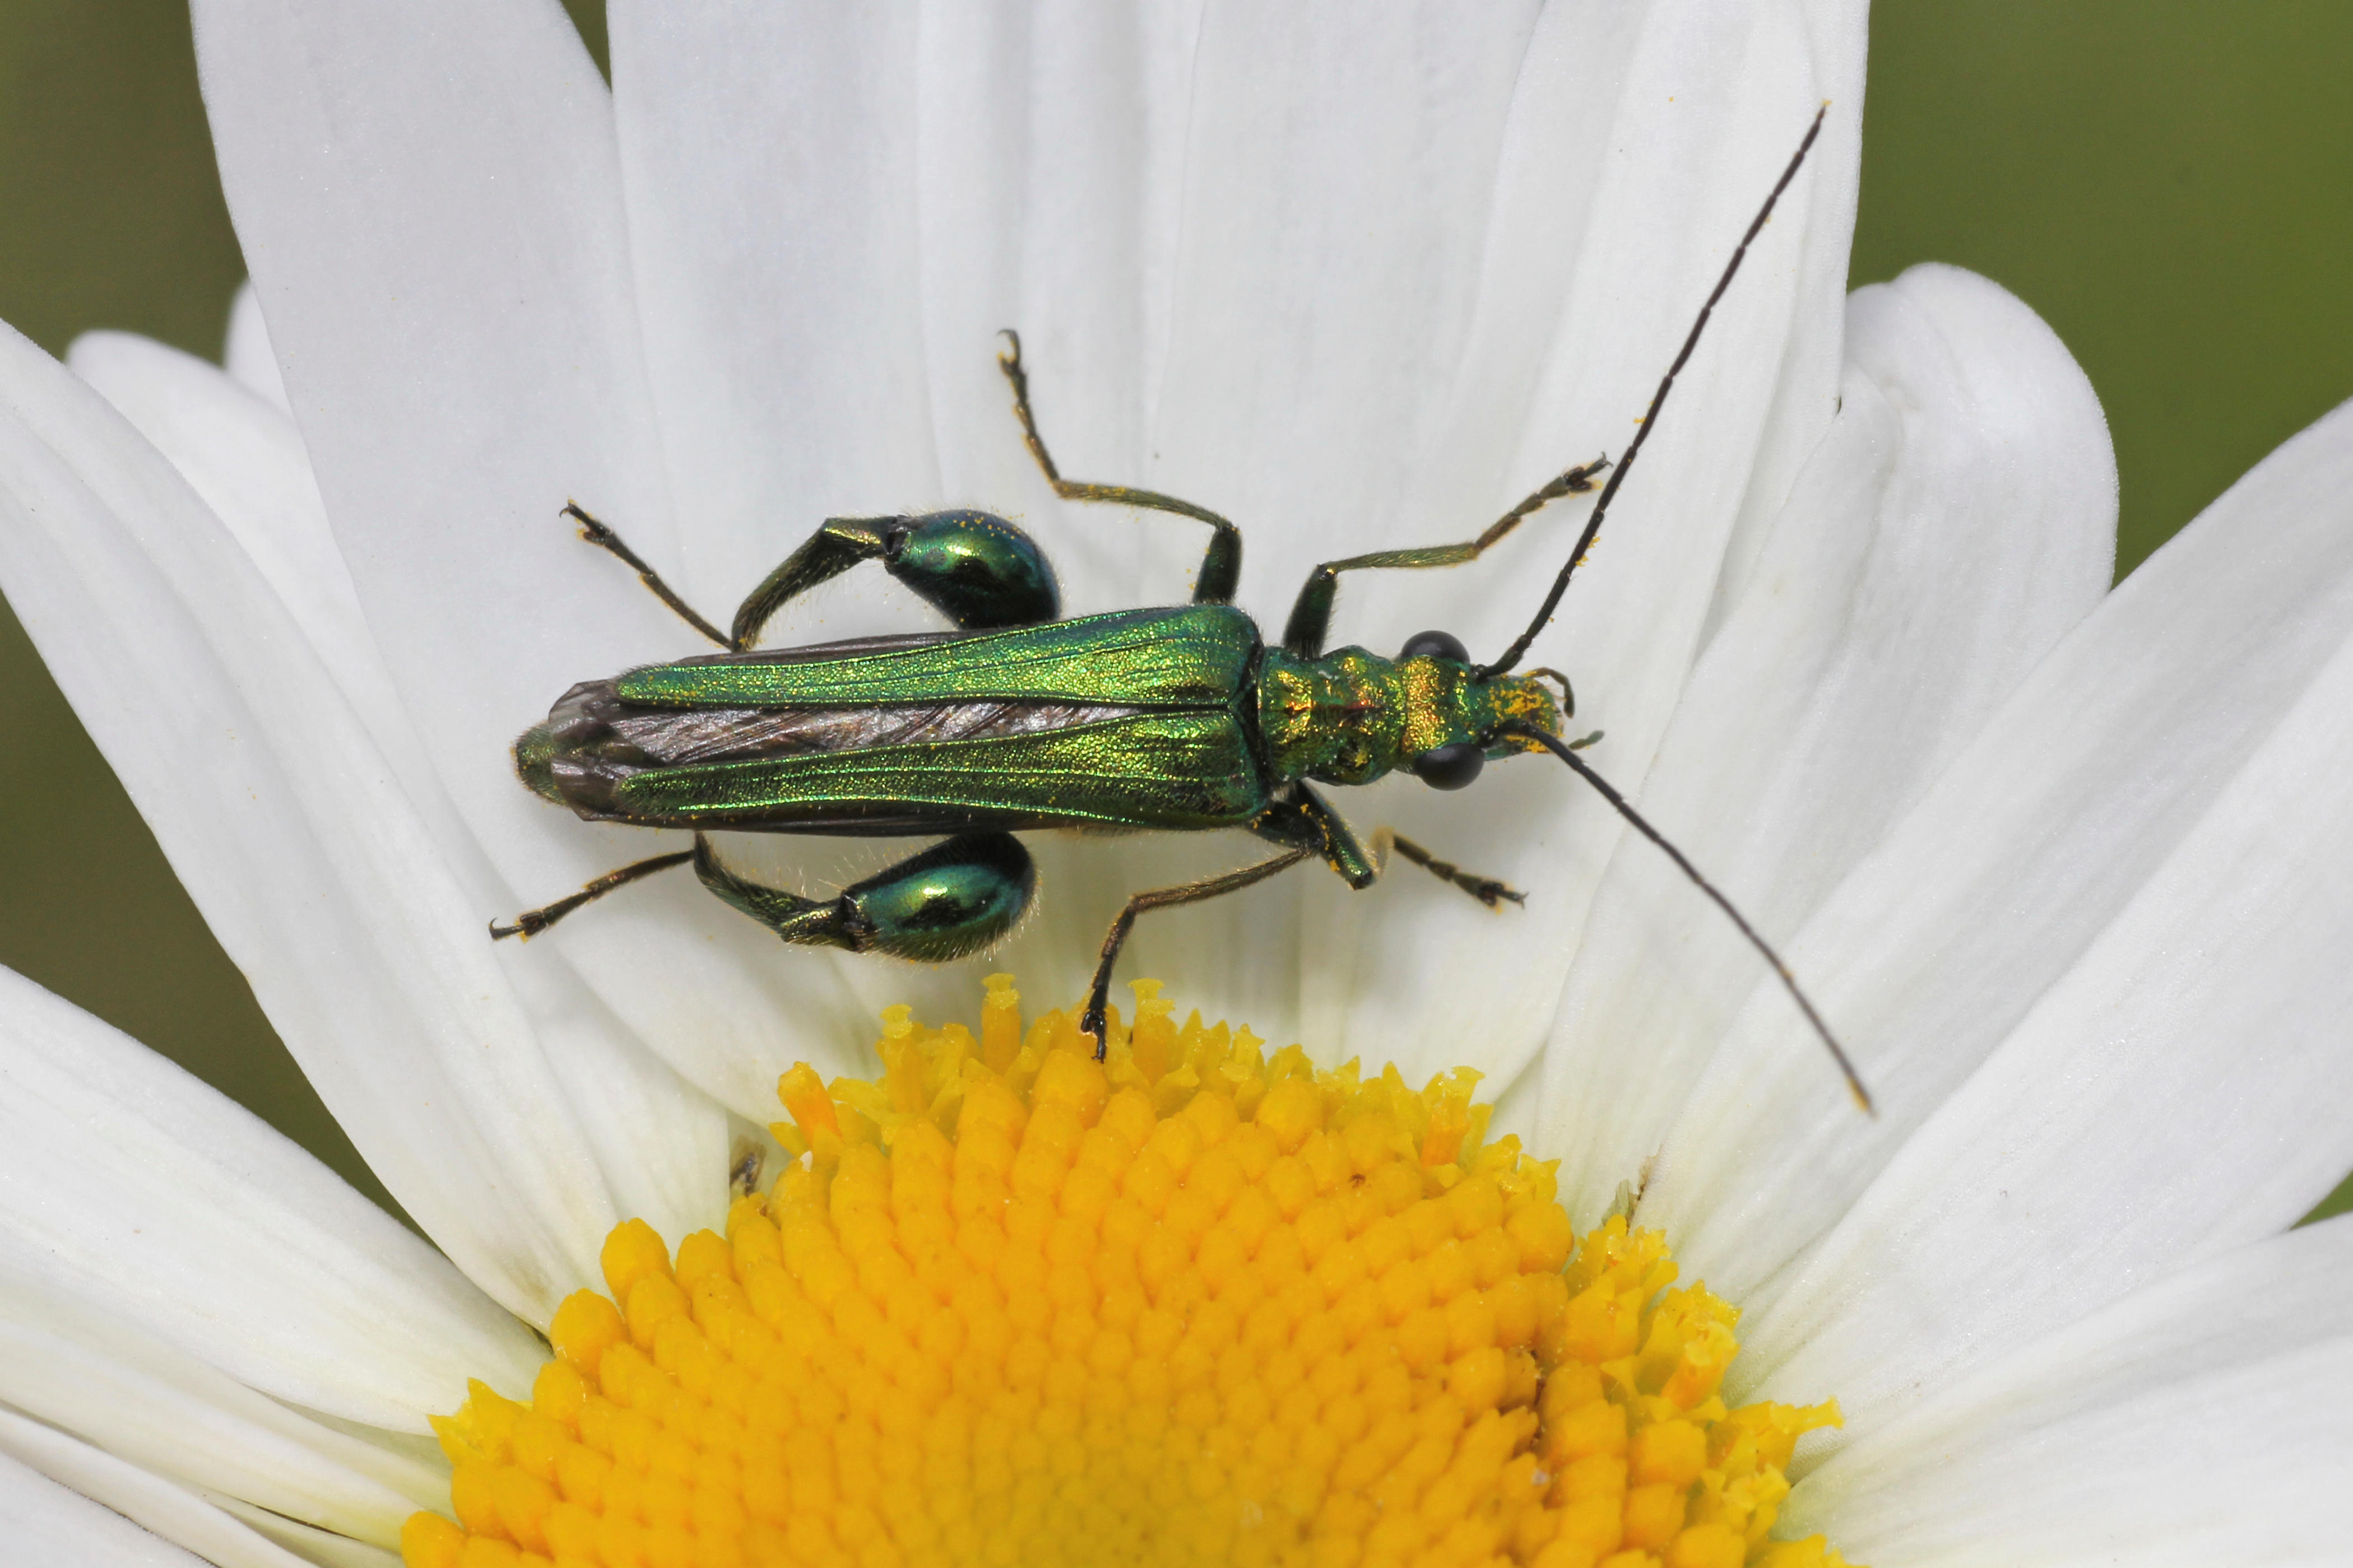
[1559, 748]
[1513, 654]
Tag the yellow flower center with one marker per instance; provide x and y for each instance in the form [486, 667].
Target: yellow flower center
[1195, 1305]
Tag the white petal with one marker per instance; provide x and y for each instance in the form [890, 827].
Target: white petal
[218, 1529]
[807, 286]
[1330, 415]
[1318, 243]
[1052, 149]
[1710, 102]
[2220, 986]
[74, 1365]
[1339, 169]
[2205, 1419]
[234, 1244]
[1958, 521]
[430, 202]
[308, 861]
[769, 156]
[662, 1146]
[249, 358]
[2084, 879]
[46, 1522]
[246, 460]
[308, 1542]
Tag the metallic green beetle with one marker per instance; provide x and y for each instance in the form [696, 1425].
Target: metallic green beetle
[1174, 719]
[1181, 719]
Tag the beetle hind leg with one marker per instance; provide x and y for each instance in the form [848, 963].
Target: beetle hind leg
[952, 900]
[975, 567]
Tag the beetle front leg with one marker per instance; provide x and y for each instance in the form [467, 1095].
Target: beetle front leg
[1311, 613]
[1305, 820]
[948, 902]
[1486, 890]
[1221, 564]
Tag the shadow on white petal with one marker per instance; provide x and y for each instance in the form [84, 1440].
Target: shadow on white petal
[245, 459]
[431, 202]
[2178, 1091]
[1710, 105]
[659, 1143]
[73, 1366]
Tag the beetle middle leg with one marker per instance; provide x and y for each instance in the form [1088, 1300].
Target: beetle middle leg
[1311, 613]
[1090, 1022]
[1221, 564]
[1305, 820]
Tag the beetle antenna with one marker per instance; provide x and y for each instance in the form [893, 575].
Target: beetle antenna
[1584, 770]
[1512, 655]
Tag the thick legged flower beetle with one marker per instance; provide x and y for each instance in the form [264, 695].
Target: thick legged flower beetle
[1180, 719]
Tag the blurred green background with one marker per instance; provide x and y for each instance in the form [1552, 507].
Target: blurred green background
[2169, 183]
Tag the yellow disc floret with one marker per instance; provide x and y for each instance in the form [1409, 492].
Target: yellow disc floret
[1193, 1305]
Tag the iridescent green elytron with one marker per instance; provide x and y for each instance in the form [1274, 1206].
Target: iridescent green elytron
[1181, 719]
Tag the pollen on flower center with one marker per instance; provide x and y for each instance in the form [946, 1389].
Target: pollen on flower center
[1194, 1305]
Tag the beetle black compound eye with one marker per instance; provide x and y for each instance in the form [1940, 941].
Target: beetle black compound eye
[1435, 645]
[1450, 766]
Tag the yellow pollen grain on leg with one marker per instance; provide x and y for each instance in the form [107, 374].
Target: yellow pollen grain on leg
[1194, 1304]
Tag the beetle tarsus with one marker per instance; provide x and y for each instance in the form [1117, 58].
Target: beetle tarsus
[1510, 656]
[531, 922]
[1486, 890]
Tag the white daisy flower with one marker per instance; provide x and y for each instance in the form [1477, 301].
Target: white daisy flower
[2059, 863]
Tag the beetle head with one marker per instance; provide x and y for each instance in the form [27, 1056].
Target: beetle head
[1461, 713]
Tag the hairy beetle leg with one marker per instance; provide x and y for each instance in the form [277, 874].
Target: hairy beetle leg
[531, 922]
[975, 567]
